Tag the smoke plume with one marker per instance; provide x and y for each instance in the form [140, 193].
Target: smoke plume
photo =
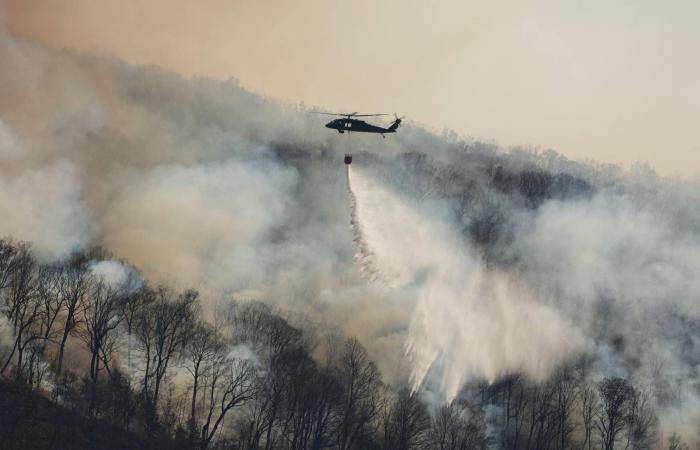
[484, 262]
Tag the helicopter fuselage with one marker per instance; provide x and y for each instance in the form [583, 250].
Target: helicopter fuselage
[357, 126]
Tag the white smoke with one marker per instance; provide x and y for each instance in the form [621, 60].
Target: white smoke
[623, 273]
[205, 222]
[245, 352]
[116, 274]
[9, 148]
[6, 335]
[44, 206]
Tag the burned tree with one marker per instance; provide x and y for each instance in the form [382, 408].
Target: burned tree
[73, 286]
[616, 396]
[457, 427]
[162, 329]
[232, 386]
[204, 350]
[132, 308]
[22, 307]
[101, 315]
[361, 387]
[407, 423]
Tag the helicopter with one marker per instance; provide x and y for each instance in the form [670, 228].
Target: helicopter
[349, 123]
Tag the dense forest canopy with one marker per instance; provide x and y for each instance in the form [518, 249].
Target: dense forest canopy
[186, 260]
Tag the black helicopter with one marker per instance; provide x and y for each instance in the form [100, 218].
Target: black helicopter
[350, 124]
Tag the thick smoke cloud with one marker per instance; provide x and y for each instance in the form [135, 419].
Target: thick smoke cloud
[45, 207]
[116, 274]
[8, 145]
[487, 262]
[200, 221]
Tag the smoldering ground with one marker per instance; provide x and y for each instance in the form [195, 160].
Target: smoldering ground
[489, 262]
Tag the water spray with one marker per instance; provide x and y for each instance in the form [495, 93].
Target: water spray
[363, 255]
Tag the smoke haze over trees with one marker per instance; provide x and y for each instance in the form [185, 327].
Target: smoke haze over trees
[178, 261]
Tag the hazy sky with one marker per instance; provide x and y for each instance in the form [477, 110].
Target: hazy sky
[613, 81]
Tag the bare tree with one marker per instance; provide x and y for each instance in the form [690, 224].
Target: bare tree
[203, 349]
[540, 415]
[132, 308]
[361, 385]
[588, 403]
[252, 426]
[510, 395]
[676, 443]
[616, 395]
[458, 428]
[642, 423]
[50, 308]
[310, 397]
[162, 329]
[272, 339]
[50, 278]
[101, 315]
[232, 388]
[8, 261]
[407, 423]
[22, 307]
[566, 390]
[74, 287]
[328, 394]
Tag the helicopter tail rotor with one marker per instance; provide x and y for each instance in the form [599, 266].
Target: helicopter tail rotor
[396, 123]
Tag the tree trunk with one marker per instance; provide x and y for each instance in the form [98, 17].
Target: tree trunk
[59, 364]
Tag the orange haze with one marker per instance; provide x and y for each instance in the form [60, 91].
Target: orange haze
[611, 81]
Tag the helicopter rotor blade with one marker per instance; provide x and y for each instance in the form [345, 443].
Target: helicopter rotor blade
[353, 114]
